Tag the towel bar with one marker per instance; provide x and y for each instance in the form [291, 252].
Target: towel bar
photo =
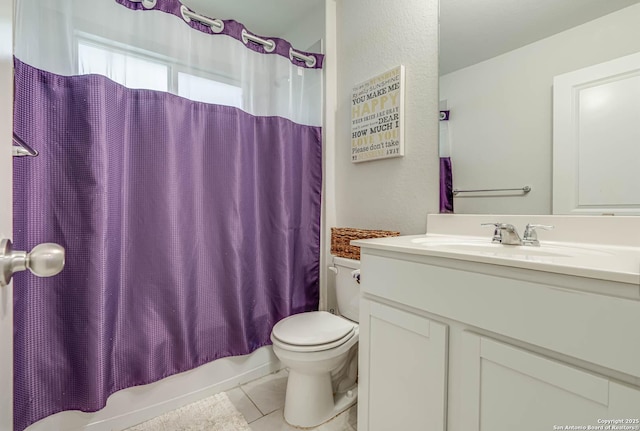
[525, 189]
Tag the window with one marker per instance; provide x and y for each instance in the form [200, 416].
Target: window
[136, 69]
[126, 69]
[207, 90]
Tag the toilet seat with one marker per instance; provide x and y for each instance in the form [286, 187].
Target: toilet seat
[312, 331]
[312, 348]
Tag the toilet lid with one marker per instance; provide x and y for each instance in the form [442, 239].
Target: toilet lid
[312, 328]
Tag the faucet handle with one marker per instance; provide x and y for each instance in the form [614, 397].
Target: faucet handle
[530, 236]
[497, 233]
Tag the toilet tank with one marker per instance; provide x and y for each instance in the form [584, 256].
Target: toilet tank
[347, 288]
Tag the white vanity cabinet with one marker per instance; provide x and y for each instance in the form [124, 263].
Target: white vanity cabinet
[507, 388]
[455, 345]
[405, 365]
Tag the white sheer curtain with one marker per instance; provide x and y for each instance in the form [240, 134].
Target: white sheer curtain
[73, 37]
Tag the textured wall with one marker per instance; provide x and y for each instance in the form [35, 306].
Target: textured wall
[501, 112]
[6, 205]
[373, 37]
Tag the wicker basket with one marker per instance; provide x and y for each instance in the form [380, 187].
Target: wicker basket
[342, 236]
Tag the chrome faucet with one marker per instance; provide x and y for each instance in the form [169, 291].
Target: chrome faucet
[530, 235]
[497, 236]
[505, 233]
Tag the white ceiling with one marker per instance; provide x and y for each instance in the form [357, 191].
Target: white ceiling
[470, 30]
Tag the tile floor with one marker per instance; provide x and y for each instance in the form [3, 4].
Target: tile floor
[262, 402]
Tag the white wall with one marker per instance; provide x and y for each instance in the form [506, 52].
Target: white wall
[501, 111]
[6, 205]
[308, 30]
[373, 37]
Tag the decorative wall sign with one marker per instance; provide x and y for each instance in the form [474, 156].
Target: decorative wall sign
[377, 117]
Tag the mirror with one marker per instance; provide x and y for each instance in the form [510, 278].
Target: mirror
[498, 59]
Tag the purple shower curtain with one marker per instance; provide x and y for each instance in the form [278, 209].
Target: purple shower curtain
[190, 229]
[446, 185]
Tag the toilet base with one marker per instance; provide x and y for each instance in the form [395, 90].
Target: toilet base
[310, 401]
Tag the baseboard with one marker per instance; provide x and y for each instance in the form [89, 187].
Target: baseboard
[135, 405]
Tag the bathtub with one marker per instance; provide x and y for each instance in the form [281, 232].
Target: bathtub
[131, 406]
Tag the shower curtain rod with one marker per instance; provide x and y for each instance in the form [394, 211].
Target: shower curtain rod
[217, 26]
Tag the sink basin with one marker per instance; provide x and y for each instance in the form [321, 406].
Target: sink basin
[483, 246]
[593, 260]
[518, 251]
[445, 240]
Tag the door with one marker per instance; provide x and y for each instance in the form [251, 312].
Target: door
[596, 129]
[6, 210]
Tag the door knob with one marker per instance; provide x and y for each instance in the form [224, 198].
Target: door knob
[44, 260]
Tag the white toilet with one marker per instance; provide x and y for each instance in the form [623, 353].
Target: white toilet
[320, 350]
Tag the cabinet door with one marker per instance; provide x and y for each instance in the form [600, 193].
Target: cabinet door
[509, 388]
[403, 373]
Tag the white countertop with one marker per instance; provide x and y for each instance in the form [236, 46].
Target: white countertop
[599, 261]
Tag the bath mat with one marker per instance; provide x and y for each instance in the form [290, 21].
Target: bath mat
[215, 413]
